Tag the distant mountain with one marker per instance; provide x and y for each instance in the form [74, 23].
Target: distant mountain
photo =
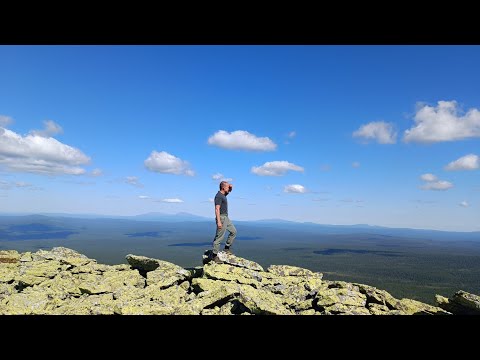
[157, 216]
[56, 219]
[275, 221]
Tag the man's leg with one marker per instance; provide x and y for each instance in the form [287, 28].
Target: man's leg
[219, 235]
[233, 233]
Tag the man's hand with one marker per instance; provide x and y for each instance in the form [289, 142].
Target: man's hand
[219, 225]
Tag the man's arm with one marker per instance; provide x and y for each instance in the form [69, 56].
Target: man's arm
[217, 215]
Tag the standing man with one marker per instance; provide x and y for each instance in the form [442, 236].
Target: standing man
[223, 222]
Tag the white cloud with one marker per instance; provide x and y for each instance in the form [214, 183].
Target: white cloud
[175, 200]
[166, 163]
[97, 172]
[428, 177]
[295, 188]
[467, 162]
[5, 120]
[133, 180]
[382, 132]
[241, 140]
[219, 176]
[292, 134]
[464, 204]
[41, 155]
[320, 199]
[143, 197]
[275, 168]
[355, 164]
[443, 123]
[432, 183]
[440, 185]
[51, 128]
[210, 200]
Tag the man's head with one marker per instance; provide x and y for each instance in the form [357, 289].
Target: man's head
[224, 185]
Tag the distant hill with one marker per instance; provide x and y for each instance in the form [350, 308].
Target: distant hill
[56, 219]
[157, 216]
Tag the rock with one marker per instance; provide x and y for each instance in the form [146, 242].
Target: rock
[9, 256]
[344, 296]
[223, 310]
[26, 257]
[6, 290]
[342, 309]
[25, 303]
[260, 301]
[287, 270]
[232, 260]
[461, 303]
[62, 255]
[63, 281]
[307, 312]
[228, 272]
[8, 272]
[377, 309]
[165, 276]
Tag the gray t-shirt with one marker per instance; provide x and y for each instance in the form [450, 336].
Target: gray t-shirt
[221, 200]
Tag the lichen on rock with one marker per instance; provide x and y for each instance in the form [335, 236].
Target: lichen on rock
[63, 281]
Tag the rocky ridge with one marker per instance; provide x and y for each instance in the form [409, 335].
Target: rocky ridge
[64, 282]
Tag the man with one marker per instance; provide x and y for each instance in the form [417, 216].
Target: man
[223, 222]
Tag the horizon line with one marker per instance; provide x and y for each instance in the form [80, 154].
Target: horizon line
[110, 216]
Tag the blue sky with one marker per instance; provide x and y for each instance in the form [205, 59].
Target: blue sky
[379, 135]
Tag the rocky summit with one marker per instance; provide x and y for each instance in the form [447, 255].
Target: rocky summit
[64, 282]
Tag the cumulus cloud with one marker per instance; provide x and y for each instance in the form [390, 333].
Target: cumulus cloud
[40, 155]
[166, 163]
[241, 140]
[221, 177]
[295, 188]
[275, 168]
[464, 204]
[443, 123]
[432, 183]
[143, 197]
[467, 162]
[292, 134]
[5, 120]
[355, 164]
[51, 128]
[382, 132]
[97, 172]
[133, 180]
[440, 185]
[428, 177]
[175, 200]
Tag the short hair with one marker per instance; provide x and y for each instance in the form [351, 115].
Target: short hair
[222, 183]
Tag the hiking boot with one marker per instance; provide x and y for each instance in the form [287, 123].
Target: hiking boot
[228, 251]
[217, 260]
